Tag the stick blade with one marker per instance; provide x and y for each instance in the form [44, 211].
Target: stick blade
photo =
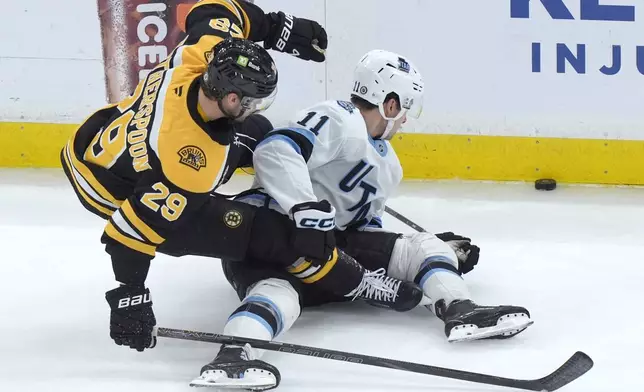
[574, 368]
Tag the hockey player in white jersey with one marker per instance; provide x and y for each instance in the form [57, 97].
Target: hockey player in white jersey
[333, 168]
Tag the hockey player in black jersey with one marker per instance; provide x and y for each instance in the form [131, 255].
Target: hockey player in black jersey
[148, 165]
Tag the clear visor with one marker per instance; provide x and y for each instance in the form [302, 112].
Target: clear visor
[255, 105]
[413, 106]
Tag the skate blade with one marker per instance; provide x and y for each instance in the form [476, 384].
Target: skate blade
[508, 325]
[252, 380]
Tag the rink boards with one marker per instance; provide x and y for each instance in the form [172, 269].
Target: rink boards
[424, 156]
[515, 89]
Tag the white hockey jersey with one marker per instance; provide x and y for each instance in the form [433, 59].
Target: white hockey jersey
[326, 153]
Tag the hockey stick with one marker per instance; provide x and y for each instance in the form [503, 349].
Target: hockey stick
[404, 220]
[574, 367]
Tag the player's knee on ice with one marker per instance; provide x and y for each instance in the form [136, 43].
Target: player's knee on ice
[270, 308]
[431, 263]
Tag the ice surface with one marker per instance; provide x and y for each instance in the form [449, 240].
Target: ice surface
[573, 257]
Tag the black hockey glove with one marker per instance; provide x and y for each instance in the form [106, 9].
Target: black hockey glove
[468, 254]
[302, 38]
[132, 318]
[314, 238]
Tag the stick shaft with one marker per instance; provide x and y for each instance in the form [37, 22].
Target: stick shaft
[403, 219]
[351, 357]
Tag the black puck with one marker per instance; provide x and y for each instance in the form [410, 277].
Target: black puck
[545, 184]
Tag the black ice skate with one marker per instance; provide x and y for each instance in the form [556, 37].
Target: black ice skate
[235, 368]
[380, 290]
[465, 320]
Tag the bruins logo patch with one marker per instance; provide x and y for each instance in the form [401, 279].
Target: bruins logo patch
[192, 156]
[233, 219]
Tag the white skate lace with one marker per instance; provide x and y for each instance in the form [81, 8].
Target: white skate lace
[247, 353]
[376, 285]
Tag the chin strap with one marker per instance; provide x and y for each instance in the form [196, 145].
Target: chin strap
[388, 134]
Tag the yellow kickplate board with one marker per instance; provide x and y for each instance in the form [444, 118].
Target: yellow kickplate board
[423, 156]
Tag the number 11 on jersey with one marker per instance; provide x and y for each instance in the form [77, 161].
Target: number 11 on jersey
[321, 121]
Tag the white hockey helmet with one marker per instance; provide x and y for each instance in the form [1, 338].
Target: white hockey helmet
[379, 73]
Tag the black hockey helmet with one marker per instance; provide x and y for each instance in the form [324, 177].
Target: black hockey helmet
[240, 66]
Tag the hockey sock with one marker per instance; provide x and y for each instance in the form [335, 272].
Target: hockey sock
[340, 275]
[270, 309]
[440, 280]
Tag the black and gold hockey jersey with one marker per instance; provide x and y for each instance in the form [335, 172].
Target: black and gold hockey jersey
[150, 161]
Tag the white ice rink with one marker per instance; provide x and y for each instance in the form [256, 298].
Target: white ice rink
[574, 257]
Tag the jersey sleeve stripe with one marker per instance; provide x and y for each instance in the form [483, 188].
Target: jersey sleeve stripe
[139, 225]
[308, 134]
[226, 3]
[105, 209]
[83, 184]
[79, 167]
[112, 231]
[301, 139]
[89, 203]
[285, 139]
[245, 22]
[124, 226]
[235, 8]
